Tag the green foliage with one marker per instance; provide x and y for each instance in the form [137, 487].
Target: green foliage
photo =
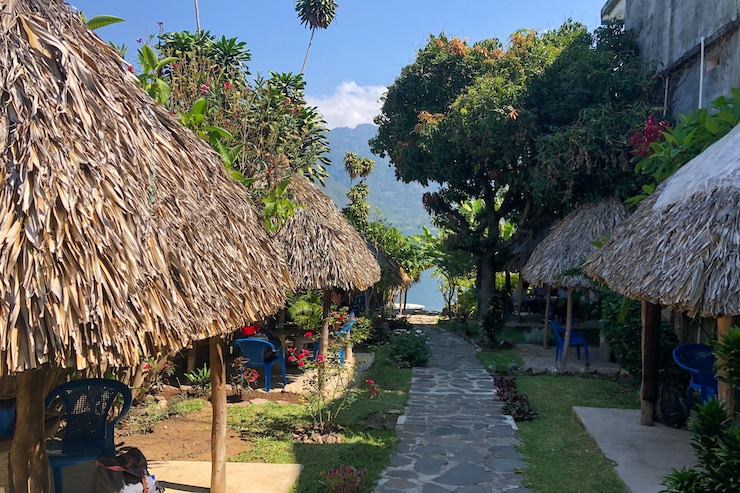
[493, 320]
[99, 21]
[200, 379]
[307, 310]
[686, 140]
[278, 207]
[150, 78]
[409, 348]
[716, 443]
[621, 325]
[728, 350]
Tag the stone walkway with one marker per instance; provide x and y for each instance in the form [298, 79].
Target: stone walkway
[453, 436]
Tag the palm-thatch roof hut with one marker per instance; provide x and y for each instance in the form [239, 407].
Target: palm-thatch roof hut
[569, 243]
[322, 249]
[121, 234]
[681, 248]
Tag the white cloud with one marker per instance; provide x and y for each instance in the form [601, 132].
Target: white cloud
[349, 105]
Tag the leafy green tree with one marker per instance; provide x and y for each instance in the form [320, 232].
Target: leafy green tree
[358, 210]
[315, 14]
[475, 118]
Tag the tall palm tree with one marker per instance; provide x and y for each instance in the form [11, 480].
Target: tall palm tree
[315, 14]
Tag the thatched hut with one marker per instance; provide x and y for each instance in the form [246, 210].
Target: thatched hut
[323, 251]
[569, 243]
[681, 248]
[121, 234]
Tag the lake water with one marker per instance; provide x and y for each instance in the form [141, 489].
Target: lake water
[426, 292]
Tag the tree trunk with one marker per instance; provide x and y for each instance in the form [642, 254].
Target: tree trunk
[218, 424]
[725, 392]
[547, 317]
[29, 466]
[650, 361]
[568, 326]
[486, 282]
[308, 50]
[519, 296]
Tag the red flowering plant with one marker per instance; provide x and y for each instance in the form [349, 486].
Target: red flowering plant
[338, 318]
[373, 390]
[344, 479]
[327, 387]
[641, 140]
[244, 377]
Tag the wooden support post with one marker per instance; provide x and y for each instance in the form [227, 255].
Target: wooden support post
[324, 346]
[650, 361]
[568, 326]
[29, 466]
[546, 332]
[725, 392]
[519, 296]
[218, 423]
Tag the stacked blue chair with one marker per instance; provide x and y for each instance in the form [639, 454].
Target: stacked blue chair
[576, 339]
[254, 351]
[698, 359]
[89, 430]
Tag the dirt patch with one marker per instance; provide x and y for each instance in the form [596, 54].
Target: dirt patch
[188, 437]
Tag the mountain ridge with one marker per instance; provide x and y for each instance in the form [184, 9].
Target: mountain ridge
[399, 203]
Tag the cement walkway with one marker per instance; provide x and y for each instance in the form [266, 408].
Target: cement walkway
[453, 436]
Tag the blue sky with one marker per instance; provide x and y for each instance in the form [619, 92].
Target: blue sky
[358, 56]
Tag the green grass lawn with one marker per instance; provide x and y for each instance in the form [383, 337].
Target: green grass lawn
[269, 427]
[562, 457]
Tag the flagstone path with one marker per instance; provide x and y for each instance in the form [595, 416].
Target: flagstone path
[453, 437]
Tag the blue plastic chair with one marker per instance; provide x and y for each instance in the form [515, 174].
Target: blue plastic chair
[89, 430]
[342, 333]
[698, 359]
[576, 339]
[254, 350]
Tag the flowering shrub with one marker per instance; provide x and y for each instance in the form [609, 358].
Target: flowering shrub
[328, 386]
[245, 377]
[372, 389]
[651, 132]
[344, 479]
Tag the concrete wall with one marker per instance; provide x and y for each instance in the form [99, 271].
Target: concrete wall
[669, 33]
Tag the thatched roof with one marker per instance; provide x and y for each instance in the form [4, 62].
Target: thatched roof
[323, 250]
[521, 246]
[570, 242]
[681, 248]
[121, 233]
[392, 274]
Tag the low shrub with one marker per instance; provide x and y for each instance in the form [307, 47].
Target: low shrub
[515, 404]
[534, 336]
[409, 348]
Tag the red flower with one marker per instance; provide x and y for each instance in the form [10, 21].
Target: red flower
[205, 88]
[301, 363]
[370, 382]
[308, 334]
[130, 68]
[147, 366]
[227, 85]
